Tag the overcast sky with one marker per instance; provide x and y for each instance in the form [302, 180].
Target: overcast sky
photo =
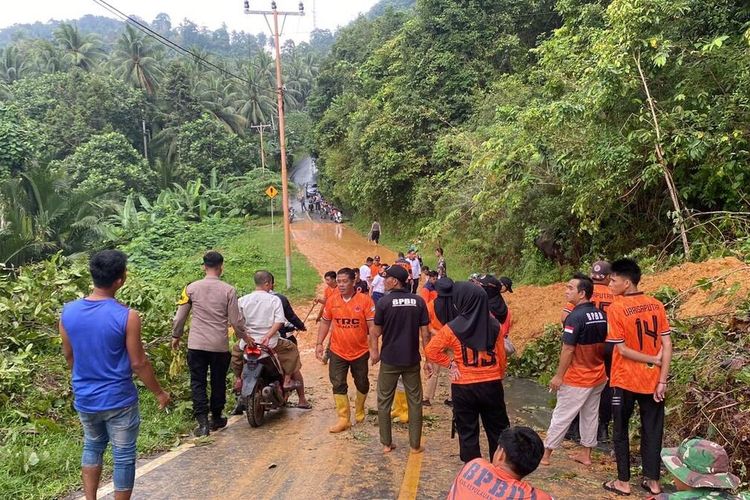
[209, 13]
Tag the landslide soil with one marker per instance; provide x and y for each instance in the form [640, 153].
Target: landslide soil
[534, 307]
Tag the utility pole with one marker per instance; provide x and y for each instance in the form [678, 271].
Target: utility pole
[262, 149]
[282, 138]
[145, 140]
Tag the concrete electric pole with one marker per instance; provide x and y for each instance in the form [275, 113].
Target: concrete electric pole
[260, 128]
[282, 137]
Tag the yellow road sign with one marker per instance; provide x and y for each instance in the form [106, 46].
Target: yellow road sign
[271, 192]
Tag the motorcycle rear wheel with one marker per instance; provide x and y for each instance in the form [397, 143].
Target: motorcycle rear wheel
[254, 409]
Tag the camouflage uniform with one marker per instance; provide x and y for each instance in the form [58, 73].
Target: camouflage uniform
[704, 466]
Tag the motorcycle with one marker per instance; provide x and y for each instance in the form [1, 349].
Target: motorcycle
[262, 383]
[291, 215]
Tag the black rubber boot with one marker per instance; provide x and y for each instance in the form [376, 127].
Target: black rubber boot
[203, 427]
[217, 423]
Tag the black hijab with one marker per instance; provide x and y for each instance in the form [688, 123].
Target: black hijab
[498, 308]
[444, 309]
[473, 324]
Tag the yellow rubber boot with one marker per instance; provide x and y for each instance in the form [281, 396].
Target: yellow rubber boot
[401, 408]
[359, 407]
[344, 413]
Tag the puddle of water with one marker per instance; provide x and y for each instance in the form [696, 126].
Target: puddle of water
[528, 403]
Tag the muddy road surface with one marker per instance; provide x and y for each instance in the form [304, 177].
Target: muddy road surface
[292, 455]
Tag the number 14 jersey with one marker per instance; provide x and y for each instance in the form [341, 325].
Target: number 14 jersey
[638, 321]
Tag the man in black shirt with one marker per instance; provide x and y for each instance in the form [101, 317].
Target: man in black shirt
[360, 285]
[401, 318]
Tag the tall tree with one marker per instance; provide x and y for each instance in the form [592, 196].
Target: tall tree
[82, 51]
[135, 59]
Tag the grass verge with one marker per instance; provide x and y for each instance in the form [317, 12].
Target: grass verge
[40, 435]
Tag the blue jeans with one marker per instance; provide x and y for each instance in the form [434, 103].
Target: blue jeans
[119, 426]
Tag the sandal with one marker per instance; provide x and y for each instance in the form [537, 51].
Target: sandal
[644, 485]
[610, 486]
[306, 406]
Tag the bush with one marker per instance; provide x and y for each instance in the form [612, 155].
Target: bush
[539, 358]
[108, 163]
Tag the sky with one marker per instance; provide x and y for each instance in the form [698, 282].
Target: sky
[209, 13]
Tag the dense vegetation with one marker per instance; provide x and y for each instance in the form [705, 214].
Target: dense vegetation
[107, 139]
[543, 130]
[94, 124]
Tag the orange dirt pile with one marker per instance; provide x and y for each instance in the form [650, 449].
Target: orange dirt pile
[533, 306]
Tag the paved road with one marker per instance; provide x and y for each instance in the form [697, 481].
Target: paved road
[293, 456]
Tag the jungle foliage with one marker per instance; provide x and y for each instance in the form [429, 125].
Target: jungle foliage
[98, 125]
[541, 129]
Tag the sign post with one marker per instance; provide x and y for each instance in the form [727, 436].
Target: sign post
[271, 192]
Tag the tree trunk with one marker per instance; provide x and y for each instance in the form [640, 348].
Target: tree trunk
[662, 162]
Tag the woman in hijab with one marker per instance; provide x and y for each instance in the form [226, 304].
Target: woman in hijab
[441, 311]
[472, 335]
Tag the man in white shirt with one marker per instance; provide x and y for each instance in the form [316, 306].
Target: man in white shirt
[264, 317]
[378, 286]
[365, 274]
[416, 269]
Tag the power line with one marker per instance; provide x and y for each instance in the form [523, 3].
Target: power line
[169, 43]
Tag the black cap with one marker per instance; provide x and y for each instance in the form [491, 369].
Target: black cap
[507, 282]
[397, 272]
[489, 280]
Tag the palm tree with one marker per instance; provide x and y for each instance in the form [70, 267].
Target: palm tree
[81, 51]
[255, 100]
[43, 215]
[136, 60]
[218, 96]
[12, 65]
[47, 57]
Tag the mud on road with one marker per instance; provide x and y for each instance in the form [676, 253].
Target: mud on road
[293, 456]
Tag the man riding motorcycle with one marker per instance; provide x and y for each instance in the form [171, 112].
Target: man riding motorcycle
[264, 318]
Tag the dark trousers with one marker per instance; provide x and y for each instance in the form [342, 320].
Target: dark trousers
[652, 431]
[605, 402]
[472, 401]
[387, 381]
[338, 369]
[200, 363]
[415, 285]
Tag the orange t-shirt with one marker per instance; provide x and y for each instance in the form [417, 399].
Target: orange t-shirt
[349, 330]
[505, 327]
[328, 292]
[374, 269]
[428, 295]
[435, 323]
[479, 479]
[585, 330]
[406, 266]
[639, 321]
[475, 366]
[601, 298]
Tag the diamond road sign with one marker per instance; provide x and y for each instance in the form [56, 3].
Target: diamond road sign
[271, 192]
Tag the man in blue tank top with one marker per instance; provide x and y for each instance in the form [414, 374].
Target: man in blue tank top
[101, 340]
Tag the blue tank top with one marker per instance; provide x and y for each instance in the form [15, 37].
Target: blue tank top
[102, 377]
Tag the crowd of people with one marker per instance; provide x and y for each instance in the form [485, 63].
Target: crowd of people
[616, 352]
[314, 202]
